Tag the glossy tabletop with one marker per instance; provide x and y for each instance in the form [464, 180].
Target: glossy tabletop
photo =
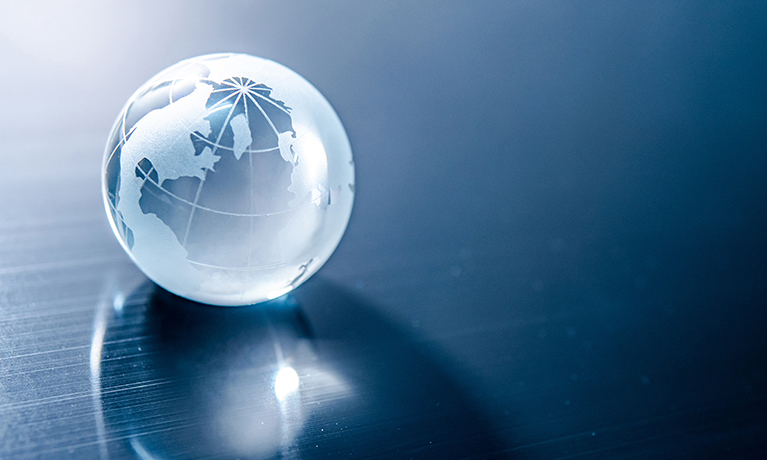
[557, 248]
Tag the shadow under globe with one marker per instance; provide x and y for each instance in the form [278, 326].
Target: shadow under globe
[177, 379]
[202, 381]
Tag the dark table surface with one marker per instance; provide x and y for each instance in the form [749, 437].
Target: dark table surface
[557, 248]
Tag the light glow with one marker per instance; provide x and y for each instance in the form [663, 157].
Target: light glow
[285, 383]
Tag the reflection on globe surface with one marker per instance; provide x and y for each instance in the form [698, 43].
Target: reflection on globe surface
[228, 179]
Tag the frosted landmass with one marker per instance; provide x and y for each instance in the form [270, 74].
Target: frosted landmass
[221, 191]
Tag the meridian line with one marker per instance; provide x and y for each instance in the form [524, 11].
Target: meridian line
[205, 173]
[250, 163]
[146, 174]
[229, 83]
[269, 101]
[274, 128]
[214, 106]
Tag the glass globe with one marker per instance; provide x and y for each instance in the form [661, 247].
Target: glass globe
[228, 179]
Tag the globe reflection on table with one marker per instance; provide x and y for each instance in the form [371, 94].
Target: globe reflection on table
[214, 382]
[314, 374]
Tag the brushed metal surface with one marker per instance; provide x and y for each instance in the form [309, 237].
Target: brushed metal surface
[557, 248]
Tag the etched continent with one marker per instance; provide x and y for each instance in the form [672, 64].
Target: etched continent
[163, 138]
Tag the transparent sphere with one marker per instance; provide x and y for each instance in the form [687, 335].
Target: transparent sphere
[228, 179]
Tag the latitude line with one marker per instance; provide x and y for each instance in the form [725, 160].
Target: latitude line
[251, 89]
[146, 174]
[223, 147]
[226, 82]
[124, 139]
[240, 269]
[216, 211]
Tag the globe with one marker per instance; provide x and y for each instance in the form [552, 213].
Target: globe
[228, 179]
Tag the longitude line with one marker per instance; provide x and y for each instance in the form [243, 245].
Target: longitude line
[270, 101]
[213, 107]
[205, 173]
[250, 163]
[274, 128]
